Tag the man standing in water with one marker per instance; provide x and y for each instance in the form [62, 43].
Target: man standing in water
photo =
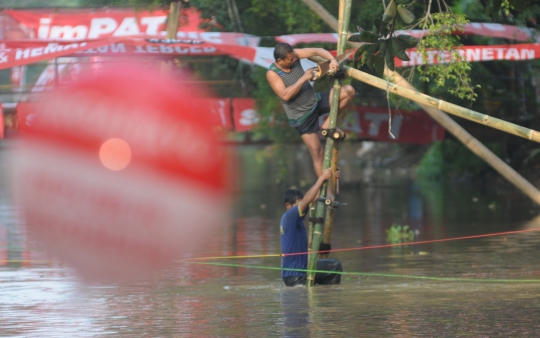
[302, 104]
[294, 238]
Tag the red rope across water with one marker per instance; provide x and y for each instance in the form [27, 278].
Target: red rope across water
[418, 243]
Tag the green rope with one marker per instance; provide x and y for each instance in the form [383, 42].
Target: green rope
[372, 274]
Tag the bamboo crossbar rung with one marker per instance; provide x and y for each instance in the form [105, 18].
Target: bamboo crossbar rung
[450, 108]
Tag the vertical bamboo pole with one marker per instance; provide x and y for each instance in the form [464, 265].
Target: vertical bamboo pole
[165, 67]
[344, 11]
[342, 40]
[311, 225]
[172, 20]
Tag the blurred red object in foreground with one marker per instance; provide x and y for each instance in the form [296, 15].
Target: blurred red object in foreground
[120, 174]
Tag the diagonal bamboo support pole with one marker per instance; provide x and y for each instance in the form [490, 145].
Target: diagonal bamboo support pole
[423, 99]
[330, 150]
[452, 126]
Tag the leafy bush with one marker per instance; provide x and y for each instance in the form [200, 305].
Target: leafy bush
[450, 159]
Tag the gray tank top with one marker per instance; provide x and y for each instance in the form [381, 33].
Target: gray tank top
[304, 102]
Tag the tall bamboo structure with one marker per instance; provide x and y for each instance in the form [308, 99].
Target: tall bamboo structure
[330, 148]
[435, 108]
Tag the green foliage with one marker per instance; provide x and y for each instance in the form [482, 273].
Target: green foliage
[440, 43]
[432, 164]
[493, 7]
[399, 234]
[381, 45]
[451, 160]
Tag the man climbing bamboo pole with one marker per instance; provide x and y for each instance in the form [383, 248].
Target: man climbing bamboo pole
[302, 104]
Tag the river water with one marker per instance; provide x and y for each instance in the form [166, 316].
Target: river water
[452, 287]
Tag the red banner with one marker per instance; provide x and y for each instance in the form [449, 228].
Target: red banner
[101, 24]
[406, 126]
[30, 52]
[494, 30]
[368, 122]
[476, 54]
[244, 114]
[16, 53]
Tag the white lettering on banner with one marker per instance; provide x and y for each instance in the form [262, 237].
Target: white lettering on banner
[101, 26]
[499, 53]
[416, 59]
[44, 27]
[52, 48]
[69, 32]
[528, 54]
[22, 54]
[473, 54]
[34, 52]
[512, 54]
[127, 27]
[249, 117]
[166, 49]
[376, 119]
[49, 49]
[487, 54]
[181, 50]
[153, 23]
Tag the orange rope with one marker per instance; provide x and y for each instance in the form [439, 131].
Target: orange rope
[420, 242]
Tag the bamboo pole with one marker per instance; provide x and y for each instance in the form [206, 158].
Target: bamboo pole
[344, 11]
[311, 216]
[172, 20]
[450, 108]
[329, 219]
[453, 127]
[165, 67]
[323, 13]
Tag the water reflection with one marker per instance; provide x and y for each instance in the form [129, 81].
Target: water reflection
[295, 309]
[40, 297]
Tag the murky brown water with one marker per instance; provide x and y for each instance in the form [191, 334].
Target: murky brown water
[481, 287]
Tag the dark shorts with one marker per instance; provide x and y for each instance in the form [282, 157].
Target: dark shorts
[311, 124]
[321, 278]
